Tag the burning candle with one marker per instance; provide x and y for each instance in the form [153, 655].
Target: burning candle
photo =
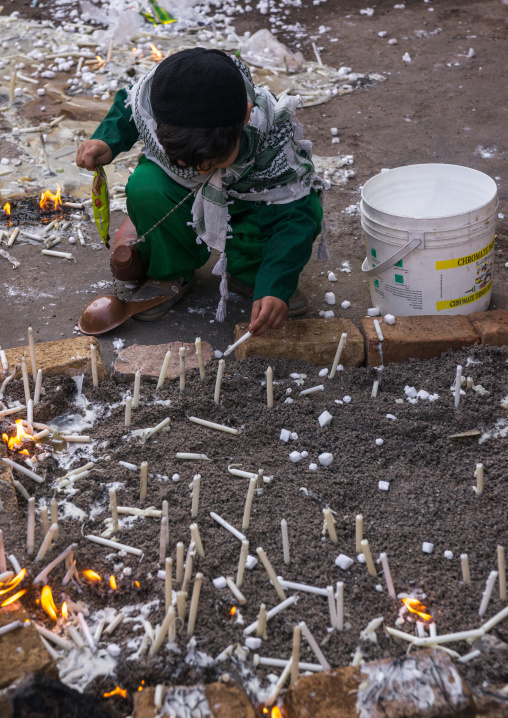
[338, 354]
[162, 540]
[330, 525]
[168, 583]
[332, 606]
[137, 388]
[31, 346]
[269, 387]
[113, 508]
[128, 409]
[232, 347]
[368, 558]
[46, 543]
[464, 562]
[30, 540]
[93, 360]
[26, 385]
[285, 541]
[240, 598]
[261, 622]
[489, 586]
[196, 485]
[181, 604]
[182, 353]
[313, 644]
[38, 387]
[164, 369]
[295, 654]
[458, 382]
[196, 538]
[143, 480]
[248, 503]
[218, 381]
[388, 575]
[199, 354]
[3, 564]
[501, 568]
[53, 505]
[179, 562]
[169, 618]
[359, 532]
[339, 597]
[244, 552]
[271, 573]
[478, 489]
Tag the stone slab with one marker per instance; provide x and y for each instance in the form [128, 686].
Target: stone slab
[229, 701]
[148, 359]
[492, 327]
[423, 337]
[144, 703]
[313, 340]
[331, 694]
[67, 357]
[21, 651]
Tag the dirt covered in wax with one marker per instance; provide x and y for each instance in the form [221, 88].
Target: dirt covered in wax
[430, 498]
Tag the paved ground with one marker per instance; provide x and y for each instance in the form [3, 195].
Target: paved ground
[442, 107]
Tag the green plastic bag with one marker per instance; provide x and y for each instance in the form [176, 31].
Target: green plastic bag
[100, 202]
[159, 14]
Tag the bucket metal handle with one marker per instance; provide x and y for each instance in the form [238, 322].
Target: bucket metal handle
[413, 243]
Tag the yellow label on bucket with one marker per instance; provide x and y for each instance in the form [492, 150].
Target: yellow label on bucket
[468, 259]
[452, 303]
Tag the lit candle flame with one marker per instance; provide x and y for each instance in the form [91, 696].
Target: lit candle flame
[232, 611]
[414, 606]
[91, 575]
[156, 54]
[276, 712]
[112, 582]
[48, 196]
[117, 692]
[137, 584]
[7, 208]
[13, 582]
[21, 435]
[11, 599]
[65, 611]
[48, 604]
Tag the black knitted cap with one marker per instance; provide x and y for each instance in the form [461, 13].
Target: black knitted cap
[198, 88]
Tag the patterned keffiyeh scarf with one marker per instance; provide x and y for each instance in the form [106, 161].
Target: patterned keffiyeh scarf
[274, 165]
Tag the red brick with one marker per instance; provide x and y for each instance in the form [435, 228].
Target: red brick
[149, 358]
[492, 327]
[313, 340]
[417, 337]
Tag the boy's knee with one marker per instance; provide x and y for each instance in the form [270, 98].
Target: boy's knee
[143, 188]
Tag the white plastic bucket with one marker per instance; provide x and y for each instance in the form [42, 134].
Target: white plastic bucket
[429, 231]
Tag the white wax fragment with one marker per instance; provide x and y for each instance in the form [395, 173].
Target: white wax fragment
[346, 399]
[305, 454]
[330, 298]
[345, 304]
[427, 547]
[176, 477]
[373, 312]
[383, 485]
[379, 442]
[344, 562]
[382, 33]
[219, 582]
[410, 391]
[329, 315]
[406, 57]
[393, 41]
[361, 558]
[325, 459]
[284, 435]
[288, 400]
[334, 131]
[253, 643]
[324, 371]
[448, 555]
[389, 319]
[332, 277]
[295, 456]
[313, 467]
[294, 436]
[113, 649]
[251, 562]
[325, 419]
[392, 417]
[218, 354]
[422, 394]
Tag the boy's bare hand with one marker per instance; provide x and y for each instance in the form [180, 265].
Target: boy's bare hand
[267, 313]
[92, 153]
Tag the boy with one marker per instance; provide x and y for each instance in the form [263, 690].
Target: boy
[207, 128]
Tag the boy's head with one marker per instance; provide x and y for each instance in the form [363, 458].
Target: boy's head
[199, 101]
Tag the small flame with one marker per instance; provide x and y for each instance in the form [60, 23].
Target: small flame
[21, 435]
[112, 582]
[156, 54]
[140, 688]
[414, 606]
[13, 582]
[233, 611]
[117, 692]
[276, 712]
[48, 604]
[7, 208]
[11, 599]
[91, 575]
[100, 61]
[65, 612]
[48, 196]
[137, 584]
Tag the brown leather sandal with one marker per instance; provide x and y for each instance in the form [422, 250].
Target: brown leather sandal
[174, 289]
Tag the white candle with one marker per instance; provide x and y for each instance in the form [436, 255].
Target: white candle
[179, 562]
[313, 644]
[433, 630]
[281, 663]
[213, 425]
[248, 503]
[447, 637]
[295, 654]
[338, 354]
[114, 624]
[168, 583]
[260, 625]
[196, 485]
[270, 614]
[241, 563]
[243, 474]
[164, 369]
[54, 253]
[189, 563]
[38, 387]
[60, 642]
[45, 519]
[76, 438]
[292, 586]
[489, 625]
[14, 563]
[332, 606]
[388, 575]
[137, 388]
[464, 562]
[128, 409]
[10, 627]
[19, 487]
[359, 532]
[478, 489]
[98, 630]
[368, 558]
[14, 410]
[53, 505]
[169, 618]
[192, 457]
[240, 598]
[271, 573]
[31, 347]
[227, 526]
[501, 568]
[375, 388]
[218, 381]
[232, 347]
[182, 353]
[165, 512]
[330, 525]
[312, 390]
[114, 544]
[181, 604]
[79, 470]
[196, 537]
[93, 361]
[269, 387]
[339, 597]
[3, 360]
[274, 693]
[379, 333]
[46, 543]
[458, 382]
[86, 631]
[113, 508]
[487, 593]
[42, 576]
[162, 540]
[30, 541]
[199, 354]
[26, 385]
[156, 429]
[23, 470]
[143, 480]
[285, 541]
